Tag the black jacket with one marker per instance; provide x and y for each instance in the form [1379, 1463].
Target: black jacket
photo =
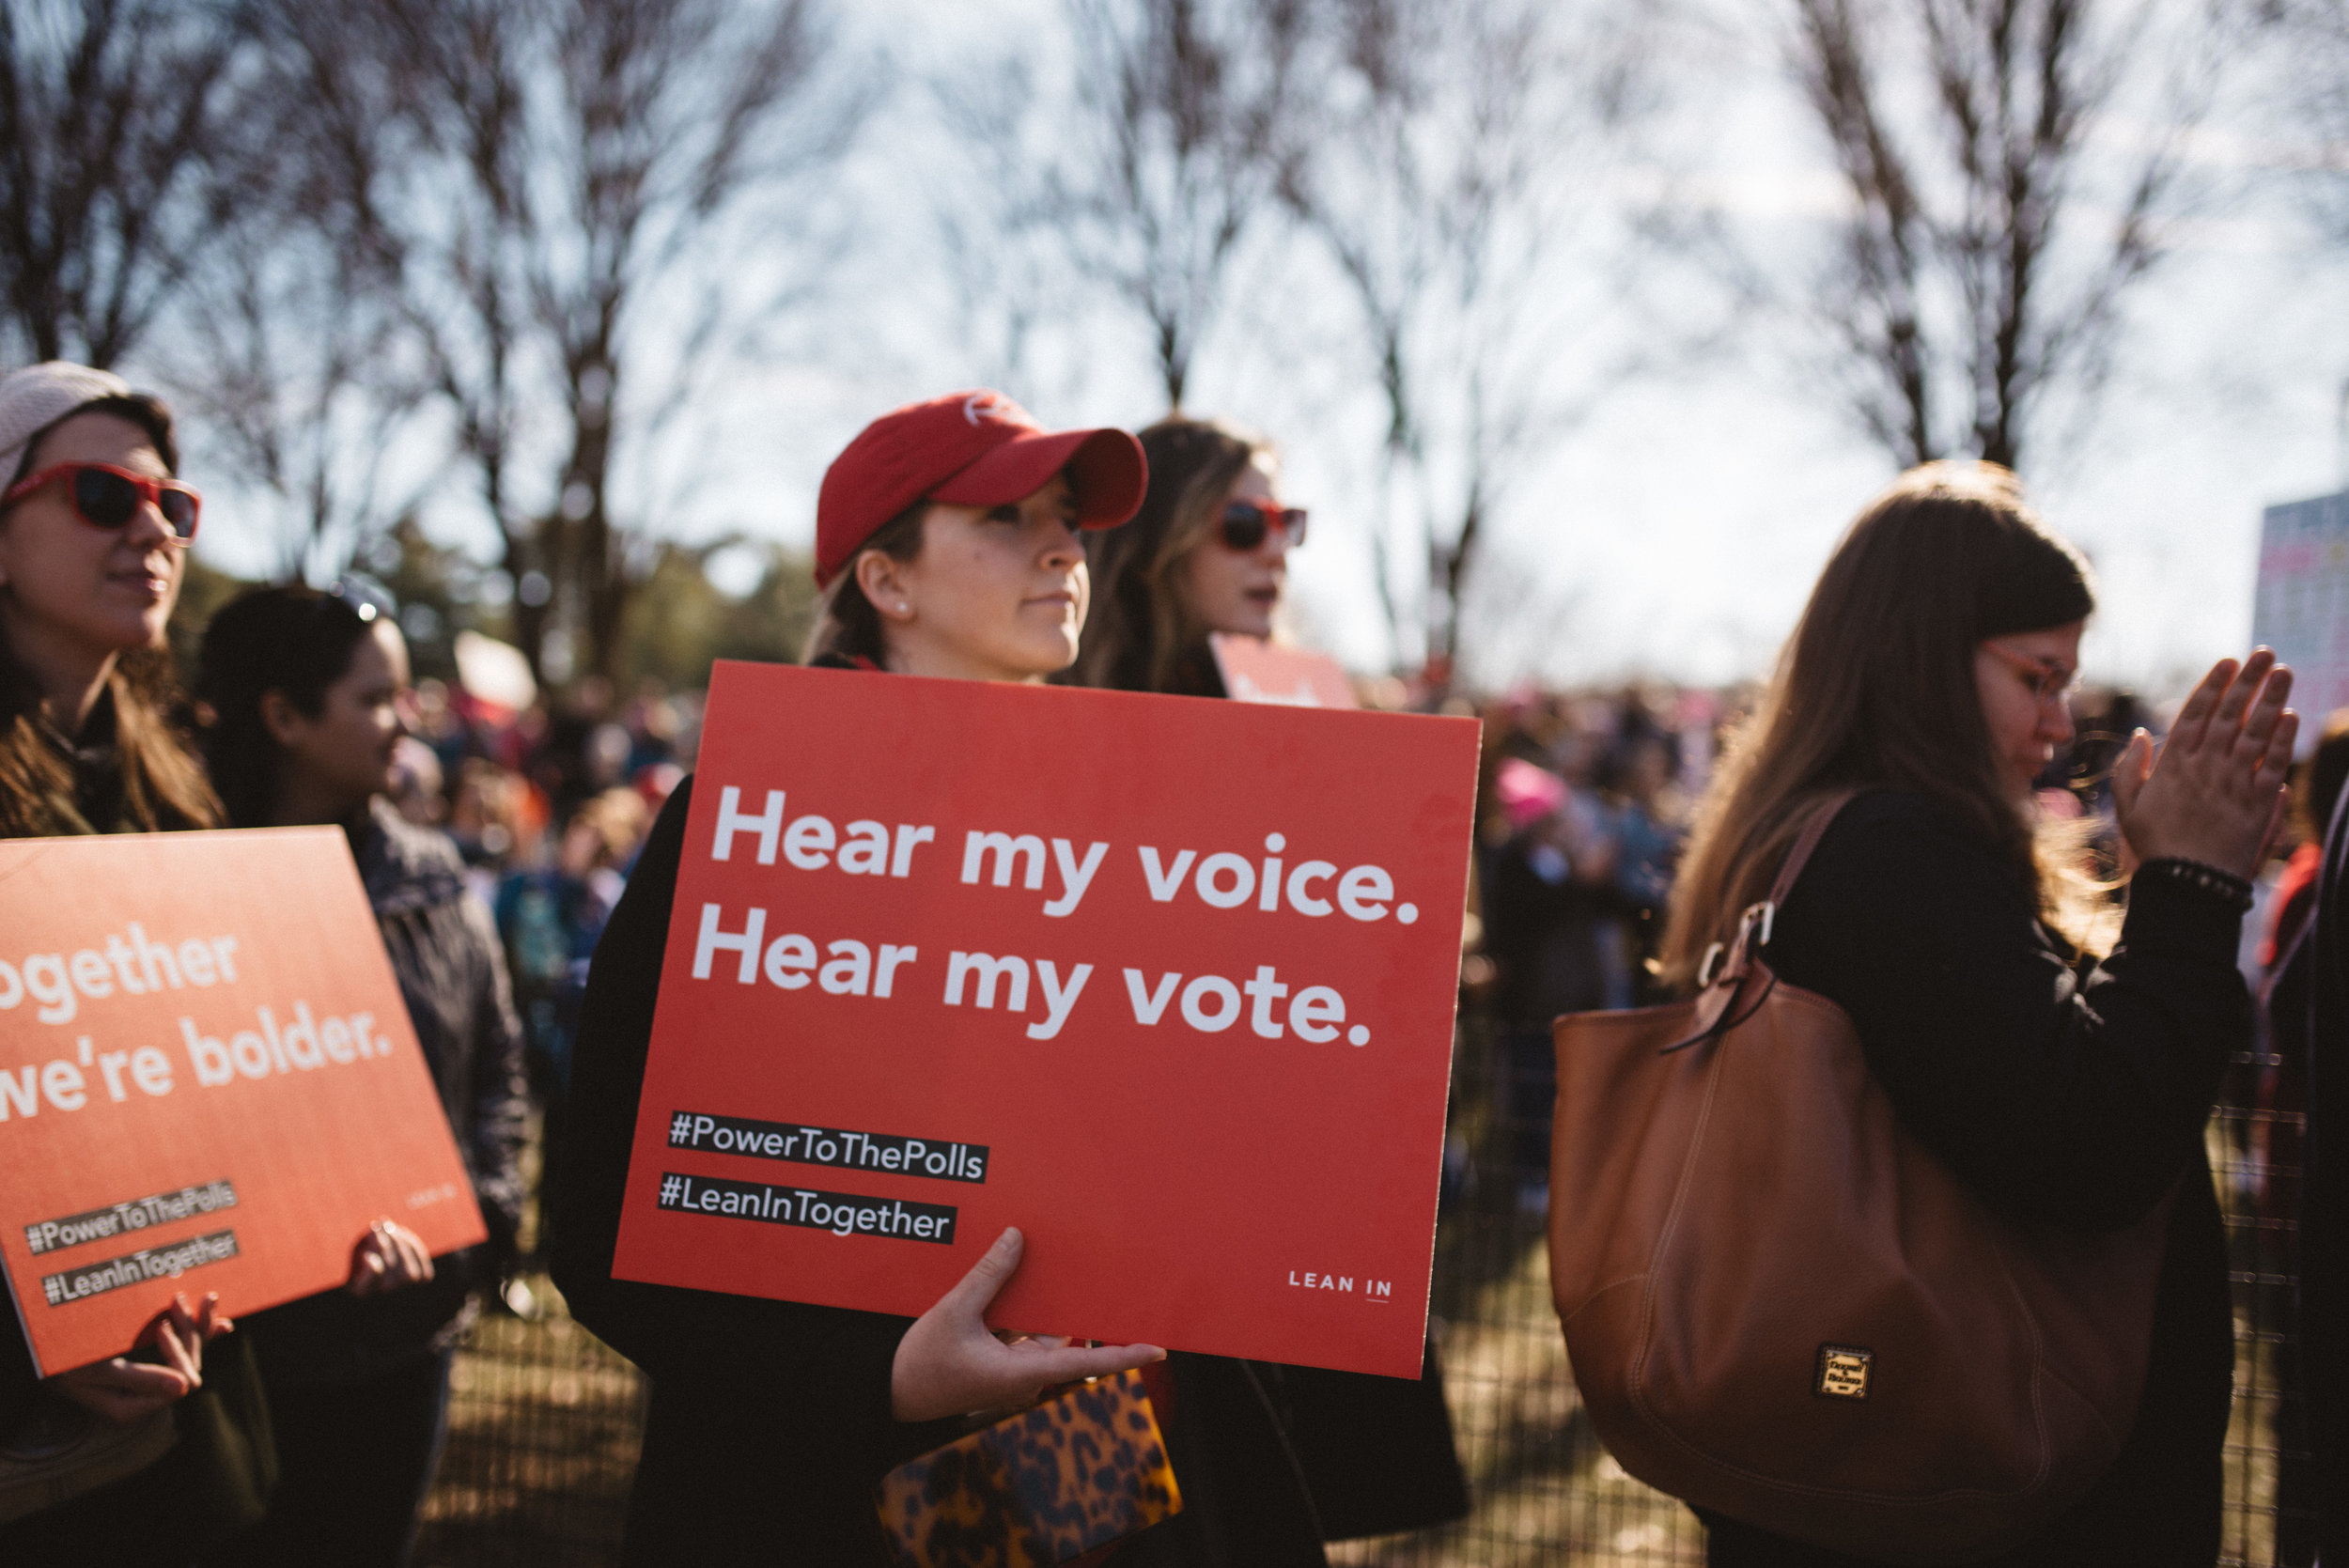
[451, 969]
[771, 1420]
[2058, 1093]
[2324, 1195]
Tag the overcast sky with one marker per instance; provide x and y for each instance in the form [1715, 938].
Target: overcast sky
[1677, 531]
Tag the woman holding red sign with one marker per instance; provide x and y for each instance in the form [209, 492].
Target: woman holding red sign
[1208, 553]
[114, 1462]
[948, 541]
[305, 692]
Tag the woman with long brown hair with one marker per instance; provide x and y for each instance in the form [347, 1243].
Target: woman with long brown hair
[91, 553]
[1208, 553]
[2063, 1078]
[94, 529]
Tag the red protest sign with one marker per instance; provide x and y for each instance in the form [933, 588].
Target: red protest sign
[1255, 670]
[208, 1082]
[1168, 983]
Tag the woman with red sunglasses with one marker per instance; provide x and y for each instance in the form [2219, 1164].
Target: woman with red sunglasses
[93, 535]
[93, 538]
[1208, 553]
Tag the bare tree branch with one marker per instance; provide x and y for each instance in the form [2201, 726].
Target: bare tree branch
[1450, 157]
[1150, 185]
[1983, 262]
[121, 164]
[540, 186]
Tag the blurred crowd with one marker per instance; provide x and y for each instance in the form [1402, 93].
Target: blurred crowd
[548, 806]
[1585, 798]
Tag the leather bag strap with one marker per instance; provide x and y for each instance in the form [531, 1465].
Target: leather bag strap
[1823, 816]
[1717, 1008]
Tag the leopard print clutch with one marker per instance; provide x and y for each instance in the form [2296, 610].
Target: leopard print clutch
[1043, 1486]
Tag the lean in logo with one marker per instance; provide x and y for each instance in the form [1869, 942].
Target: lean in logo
[1371, 1290]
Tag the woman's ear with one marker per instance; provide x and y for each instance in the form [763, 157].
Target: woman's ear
[280, 717]
[881, 577]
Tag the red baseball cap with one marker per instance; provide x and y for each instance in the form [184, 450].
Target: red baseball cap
[975, 448]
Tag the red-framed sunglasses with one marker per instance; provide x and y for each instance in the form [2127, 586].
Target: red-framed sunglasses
[105, 496]
[1246, 524]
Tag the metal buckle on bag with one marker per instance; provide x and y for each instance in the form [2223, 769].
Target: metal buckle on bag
[1764, 916]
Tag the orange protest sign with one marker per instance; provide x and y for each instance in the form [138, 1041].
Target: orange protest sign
[1256, 671]
[208, 1082]
[1167, 983]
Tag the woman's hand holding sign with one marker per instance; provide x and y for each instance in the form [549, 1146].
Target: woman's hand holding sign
[950, 1363]
[388, 1257]
[126, 1390]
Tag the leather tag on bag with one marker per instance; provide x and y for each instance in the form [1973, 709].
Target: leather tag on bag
[1843, 1371]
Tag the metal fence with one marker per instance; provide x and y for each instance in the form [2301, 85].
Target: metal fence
[545, 1420]
[544, 1424]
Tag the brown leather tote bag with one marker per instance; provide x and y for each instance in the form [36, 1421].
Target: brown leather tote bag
[1781, 1308]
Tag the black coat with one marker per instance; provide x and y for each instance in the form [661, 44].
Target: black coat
[771, 1420]
[2058, 1093]
[2325, 1200]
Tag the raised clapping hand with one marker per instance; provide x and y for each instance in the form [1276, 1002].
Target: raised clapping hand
[2215, 791]
[388, 1257]
[123, 1391]
[950, 1363]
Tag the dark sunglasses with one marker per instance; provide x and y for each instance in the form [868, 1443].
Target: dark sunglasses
[1246, 524]
[105, 496]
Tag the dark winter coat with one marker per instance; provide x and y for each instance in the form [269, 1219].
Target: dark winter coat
[2062, 1093]
[2325, 1196]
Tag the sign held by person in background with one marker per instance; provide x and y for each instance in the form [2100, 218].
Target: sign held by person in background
[2302, 608]
[208, 1082]
[1257, 671]
[1168, 985]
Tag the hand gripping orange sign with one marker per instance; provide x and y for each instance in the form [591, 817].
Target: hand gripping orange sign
[208, 1082]
[1168, 983]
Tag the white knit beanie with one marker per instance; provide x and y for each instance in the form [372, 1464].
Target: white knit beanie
[39, 396]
